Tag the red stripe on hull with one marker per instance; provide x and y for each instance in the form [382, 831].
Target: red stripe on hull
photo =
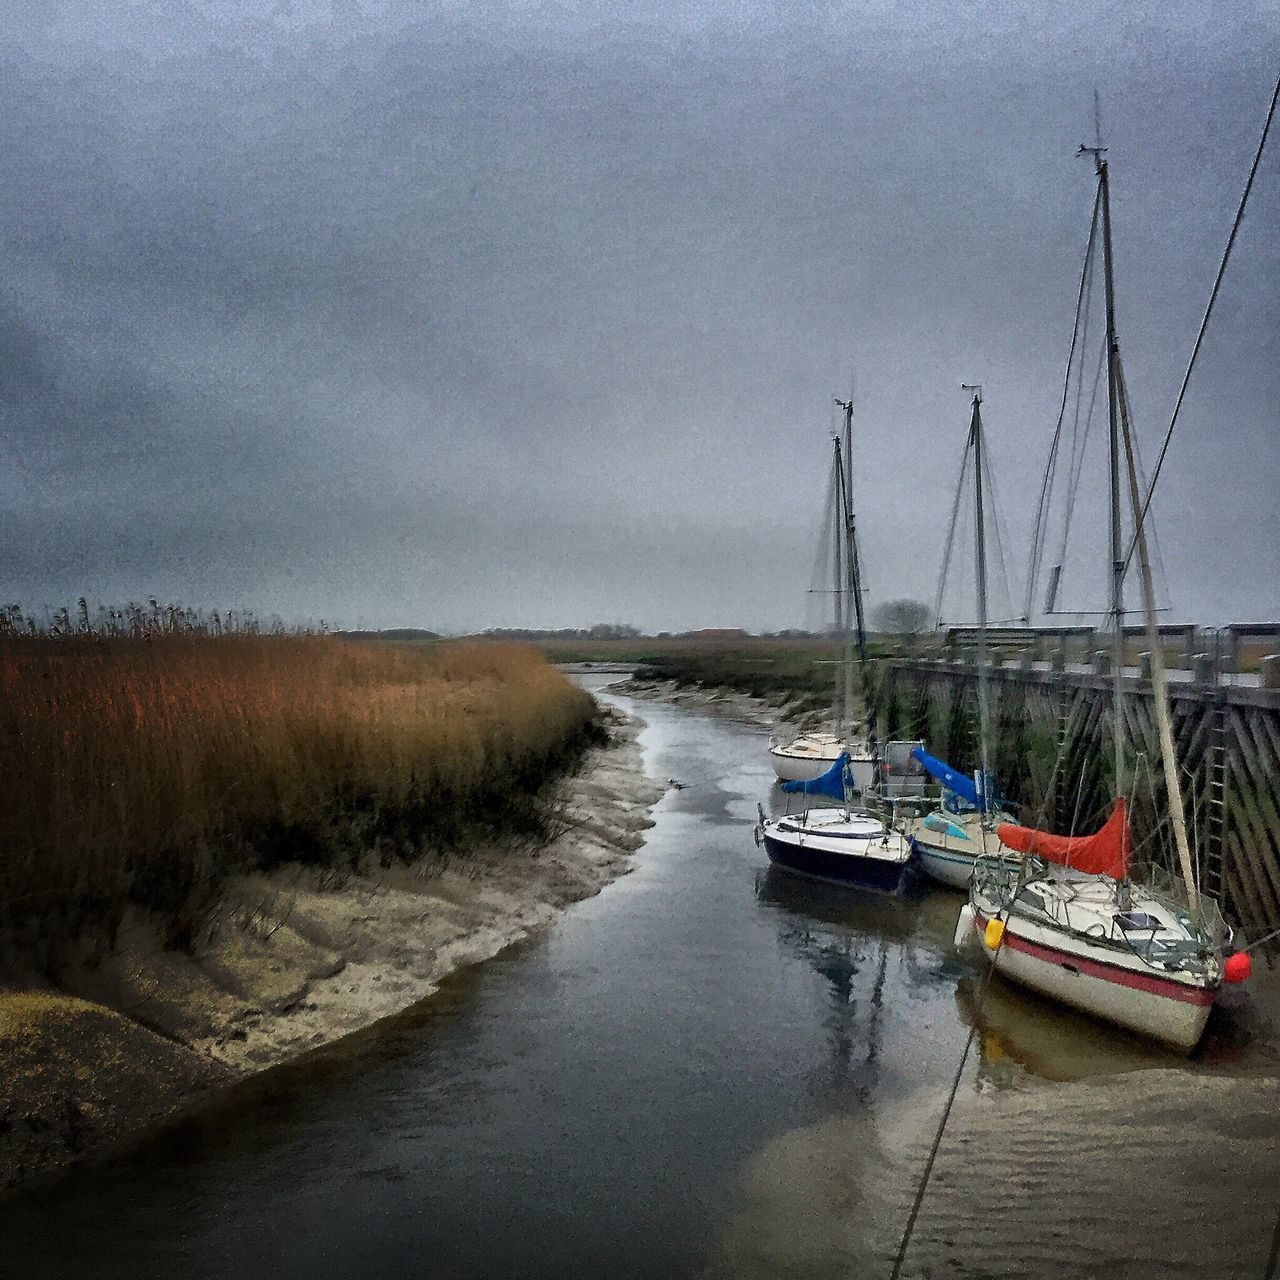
[1121, 976]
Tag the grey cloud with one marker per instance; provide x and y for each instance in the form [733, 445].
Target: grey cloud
[559, 301]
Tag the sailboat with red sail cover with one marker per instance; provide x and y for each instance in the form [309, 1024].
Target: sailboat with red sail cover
[1064, 916]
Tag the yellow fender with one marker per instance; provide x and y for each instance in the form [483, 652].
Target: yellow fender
[992, 934]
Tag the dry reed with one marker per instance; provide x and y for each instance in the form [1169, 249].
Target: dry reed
[144, 769]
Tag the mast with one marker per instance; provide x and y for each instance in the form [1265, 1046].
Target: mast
[853, 594]
[1159, 683]
[980, 537]
[853, 570]
[840, 695]
[1113, 416]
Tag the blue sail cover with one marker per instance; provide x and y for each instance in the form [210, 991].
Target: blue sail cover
[831, 783]
[965, 788]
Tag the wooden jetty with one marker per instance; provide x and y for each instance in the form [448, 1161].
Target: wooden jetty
[1052, 746]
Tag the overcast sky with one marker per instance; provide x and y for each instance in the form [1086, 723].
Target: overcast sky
[474, 315]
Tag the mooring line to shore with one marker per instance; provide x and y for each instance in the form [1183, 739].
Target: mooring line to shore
[909, 1229]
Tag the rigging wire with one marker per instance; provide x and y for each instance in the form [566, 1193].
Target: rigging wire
[1079, 448]
[820, 578]
[1204, 323]
[923, 1185]
[1077, 443]
[951, 534]
[1037, 537]
[993, 501]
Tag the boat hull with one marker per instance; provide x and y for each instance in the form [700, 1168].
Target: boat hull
[949, 852]
[954, 870]
[882, 875]
[792, 767]
[1162, 1008]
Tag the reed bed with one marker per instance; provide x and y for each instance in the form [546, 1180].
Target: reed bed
[143, 769]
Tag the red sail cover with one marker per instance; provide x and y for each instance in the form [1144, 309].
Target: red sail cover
[1106, 852]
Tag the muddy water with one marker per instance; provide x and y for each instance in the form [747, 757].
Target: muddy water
[651, 1088]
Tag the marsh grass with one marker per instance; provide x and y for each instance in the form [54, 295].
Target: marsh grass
[144, 768]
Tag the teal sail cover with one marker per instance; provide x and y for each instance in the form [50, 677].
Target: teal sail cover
[832, 783]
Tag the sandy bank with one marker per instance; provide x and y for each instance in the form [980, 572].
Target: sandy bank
[1151, 1173]
[292, 960]
[742, 707]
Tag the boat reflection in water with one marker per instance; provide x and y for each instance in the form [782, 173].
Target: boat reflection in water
[1020, 1034]
[884, 960]
[853, 961]
[888, 960]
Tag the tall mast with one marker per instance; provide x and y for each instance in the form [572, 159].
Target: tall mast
[840, 696]
[853, 595]
[1159, 684]
[1113, 416]
[980, 537]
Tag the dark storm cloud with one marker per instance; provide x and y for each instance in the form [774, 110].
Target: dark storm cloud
[488, 315]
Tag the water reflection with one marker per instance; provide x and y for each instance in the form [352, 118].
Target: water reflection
[1020, 1034]
[842, 957]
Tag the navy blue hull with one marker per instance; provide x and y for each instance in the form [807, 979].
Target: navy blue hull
[865, 873]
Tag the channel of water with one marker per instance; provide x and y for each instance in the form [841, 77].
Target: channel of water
[595, 1100]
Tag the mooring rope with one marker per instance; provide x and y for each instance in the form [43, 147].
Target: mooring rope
[923, 1186]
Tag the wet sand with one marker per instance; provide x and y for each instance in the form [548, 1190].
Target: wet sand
[1149, 1173]
[740, 707]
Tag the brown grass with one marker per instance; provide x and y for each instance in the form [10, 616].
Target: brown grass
[144, 770]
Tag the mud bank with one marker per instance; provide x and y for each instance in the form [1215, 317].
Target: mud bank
[742, 707]
[292, 960]
[1144, 1174]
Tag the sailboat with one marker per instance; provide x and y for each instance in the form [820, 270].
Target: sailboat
[1067, 920]
[950, 839]
[809, 755]
[854, 846]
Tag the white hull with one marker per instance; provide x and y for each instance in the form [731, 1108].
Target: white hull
[949, 858]
[792, 768]
[954, 870]
[806, 759]
[1169, 1007]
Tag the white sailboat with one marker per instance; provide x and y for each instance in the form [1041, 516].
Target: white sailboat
[950, 839]
[809, 755]
[856, 847]
[1068, 921]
